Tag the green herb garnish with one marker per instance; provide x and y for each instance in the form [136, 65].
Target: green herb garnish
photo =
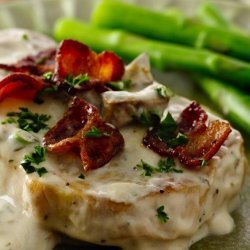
[203, 163]
[179, 140]
[163, 166]
[48, 76]
[162, 215]
[148, 169]
[167, 128]
[27, 120]
[94, 132]
[25, 37]
[37, 156]
[81, 176]
[168, 166]
[119, 85]
[149, 118]
[76, 81]
[32, 159]
[46, 91]
[164, 92]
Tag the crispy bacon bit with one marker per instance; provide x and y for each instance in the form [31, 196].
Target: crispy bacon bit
[74, 58]
[69, 134]
[20, 85]
[38, 64]
[192, 118]
[203, 140]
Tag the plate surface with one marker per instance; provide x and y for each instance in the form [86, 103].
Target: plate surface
[40, 15]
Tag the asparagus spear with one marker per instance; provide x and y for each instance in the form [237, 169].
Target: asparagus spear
[233, 103]
[156, 25]
[163, 56]
[208, 14]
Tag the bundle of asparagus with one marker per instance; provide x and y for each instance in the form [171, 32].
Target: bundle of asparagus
[212, 47]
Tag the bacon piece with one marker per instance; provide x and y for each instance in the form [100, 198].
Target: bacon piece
[192, 118]
[74, 58]
[20, 85]
[69, 135]
[203, 141]
[38, 64]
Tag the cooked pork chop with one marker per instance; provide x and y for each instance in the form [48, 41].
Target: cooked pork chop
[119, 203]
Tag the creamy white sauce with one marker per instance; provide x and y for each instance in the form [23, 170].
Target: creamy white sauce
[19, 230]
[114, 204]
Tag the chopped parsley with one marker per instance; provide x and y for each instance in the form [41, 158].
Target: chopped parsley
[162, 215]
[35, 158]
[166, 131]
[163, 166]
[149, 118]
[167, 128]
[48, 76]
[163, 91]
[168, 166]
[94, 132]
[76, 81]
[25, 37]
[27, 120]
[81, 176]
[203, 163]
[46, 91]
[180, 139]
[148, 169]
[119, 85]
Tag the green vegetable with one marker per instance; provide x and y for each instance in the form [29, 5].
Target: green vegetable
[162, 215]
[163, 56]
[27, 120]
[25, 137]
[36, 158]
[210, 15]
[233, 103]
[168, 28]
[94, 132]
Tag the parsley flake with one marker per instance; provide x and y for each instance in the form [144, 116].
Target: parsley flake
[147, 168]
[149, 118]
[119, 85]
[76, 81]
[35, 158]
[164, 92]
[162, 215]
[81, 176]
[27, 120]
[203, 163]
[167, 166]
[25, 37]
[94, 132]
[163, 166]
[48, 76]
